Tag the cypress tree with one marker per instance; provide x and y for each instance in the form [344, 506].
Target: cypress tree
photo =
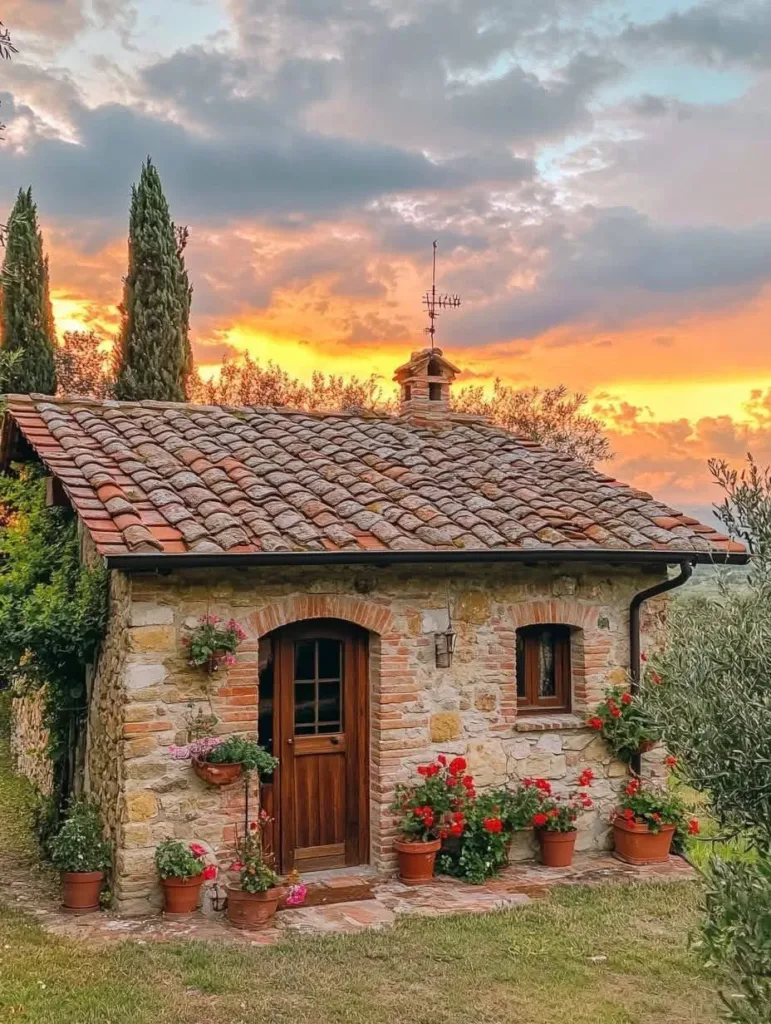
[26, 320]
[153, 357]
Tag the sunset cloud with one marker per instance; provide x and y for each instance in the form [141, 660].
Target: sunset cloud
[593, 170]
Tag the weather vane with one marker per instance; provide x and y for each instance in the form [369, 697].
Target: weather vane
[434, 303]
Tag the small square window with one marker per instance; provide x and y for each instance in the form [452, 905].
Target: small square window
[435, 392]
[543, 669]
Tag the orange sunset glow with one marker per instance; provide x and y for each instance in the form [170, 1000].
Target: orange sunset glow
[592, 180]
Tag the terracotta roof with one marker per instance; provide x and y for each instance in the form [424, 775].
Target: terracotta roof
[170, 478]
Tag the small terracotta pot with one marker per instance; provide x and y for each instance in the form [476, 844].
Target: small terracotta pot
[217, 774]
[636, 844]
[557, 848]
[80, 891]
[180, 895]
[252, 910]
[416, 860]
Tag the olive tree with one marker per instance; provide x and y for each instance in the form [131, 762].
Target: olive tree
[709, 693]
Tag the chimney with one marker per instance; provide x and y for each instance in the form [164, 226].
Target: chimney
[424, 384]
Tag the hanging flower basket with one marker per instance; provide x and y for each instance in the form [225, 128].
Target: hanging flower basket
[213, 642]
[217, 774]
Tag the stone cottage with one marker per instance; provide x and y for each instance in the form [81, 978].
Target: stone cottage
[408, 584]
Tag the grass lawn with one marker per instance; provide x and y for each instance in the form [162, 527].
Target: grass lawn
[614, 955]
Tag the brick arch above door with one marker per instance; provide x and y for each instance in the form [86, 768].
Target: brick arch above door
[555, 611]
[367, 614]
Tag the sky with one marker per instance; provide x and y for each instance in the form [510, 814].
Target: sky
[595, 173]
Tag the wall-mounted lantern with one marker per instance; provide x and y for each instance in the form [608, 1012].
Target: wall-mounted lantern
[444, 642]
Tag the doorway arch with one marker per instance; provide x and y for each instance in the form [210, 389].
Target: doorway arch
[314, 716]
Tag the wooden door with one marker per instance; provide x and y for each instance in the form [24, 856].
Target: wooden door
[321, 686]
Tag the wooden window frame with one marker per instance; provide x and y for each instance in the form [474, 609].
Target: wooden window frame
[529, 640]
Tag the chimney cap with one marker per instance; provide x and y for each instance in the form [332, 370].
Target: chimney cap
[418, 362]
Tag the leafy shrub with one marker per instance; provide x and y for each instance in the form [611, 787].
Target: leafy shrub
[175, 859]
[240, 750]
[624, 724]
[256, 873]
[79, 845]
[435, 807]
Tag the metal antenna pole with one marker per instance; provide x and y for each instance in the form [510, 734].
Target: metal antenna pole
[433, 302]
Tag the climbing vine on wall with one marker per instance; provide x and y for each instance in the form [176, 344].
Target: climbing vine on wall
[53, 609]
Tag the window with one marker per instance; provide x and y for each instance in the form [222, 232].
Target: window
[407, 392]
[543, 668]
[435, 392]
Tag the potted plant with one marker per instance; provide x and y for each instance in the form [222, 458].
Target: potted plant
[428, 812]
[555, 820]
[623, 724]
[223, 761]
[81, 853]
[253, 902]
[183, 870]
[213, 642]
[645, 821]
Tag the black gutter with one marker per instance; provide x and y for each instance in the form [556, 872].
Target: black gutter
[686, 571]
[157, 561]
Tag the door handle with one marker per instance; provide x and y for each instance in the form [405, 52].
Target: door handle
[290, 741]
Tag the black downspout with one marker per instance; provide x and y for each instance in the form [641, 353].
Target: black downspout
[686, 571]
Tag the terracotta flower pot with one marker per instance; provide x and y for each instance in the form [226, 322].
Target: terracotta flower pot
[636, 844]
[217, 774]
[252, 910]
[557, 848]
[180, 895]
[80, 890]
[416, 859]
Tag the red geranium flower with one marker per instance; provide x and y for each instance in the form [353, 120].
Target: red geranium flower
[209, 872]
[539, 820]
[433, 769]
[423, 769]
[655, 678]
[544, 786]
[586, 776]
[197, 850]
[442, 760]
[457, 829]
[595, 722]
[693, 826]
[492, 825]
[615, 711]
[633, 786]
[457, 765]
[468, 781]
[626, 698]
[628, 814]
[643, 657]
[670, 761]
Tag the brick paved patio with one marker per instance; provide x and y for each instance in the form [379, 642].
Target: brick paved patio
[517, 885]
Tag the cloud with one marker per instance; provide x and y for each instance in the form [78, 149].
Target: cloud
[712, 32]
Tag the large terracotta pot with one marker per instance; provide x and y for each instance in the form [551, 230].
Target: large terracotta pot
[252, 910]
[557, 848]
[416, 860]
[636, 844]
[217, 774]
[80, 890]
[180, 895]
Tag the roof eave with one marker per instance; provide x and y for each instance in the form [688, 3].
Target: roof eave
[152, 562]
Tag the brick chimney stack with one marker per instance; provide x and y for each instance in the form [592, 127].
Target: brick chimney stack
[424, 384]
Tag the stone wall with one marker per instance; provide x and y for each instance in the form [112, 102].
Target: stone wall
[29, 741]
[104, 774]
[417, 710]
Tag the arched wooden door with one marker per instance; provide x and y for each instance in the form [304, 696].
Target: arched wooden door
[321, 736]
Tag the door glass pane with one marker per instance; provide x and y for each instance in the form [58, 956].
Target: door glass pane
[304, 660]
[329, 659]
[329, 703]
[304, 706]
[521, 691]
[547, 686]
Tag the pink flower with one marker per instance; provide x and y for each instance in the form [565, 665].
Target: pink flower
[237, 865]
[297, 894]
[210, 872]
[197, 850]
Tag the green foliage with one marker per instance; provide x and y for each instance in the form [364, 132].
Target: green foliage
[45, 818]
[239, 750]
[736, 935]
[624, 724]
[153, 355]
[27, 321]
[6, 696]
[212, 639]
[651, 806]
[708, 693]
[82, 367]
[79, 845]
[175, 859]
[255, 871]
[481, 851]
[53, 609]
